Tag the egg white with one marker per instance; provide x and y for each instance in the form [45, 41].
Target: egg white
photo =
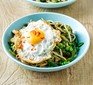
[42, 49]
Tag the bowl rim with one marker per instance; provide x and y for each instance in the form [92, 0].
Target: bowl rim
[45, 68]
[69, 1]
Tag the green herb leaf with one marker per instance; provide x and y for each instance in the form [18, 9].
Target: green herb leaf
[80, 44]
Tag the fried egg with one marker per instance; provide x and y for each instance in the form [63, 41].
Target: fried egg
[38, 39]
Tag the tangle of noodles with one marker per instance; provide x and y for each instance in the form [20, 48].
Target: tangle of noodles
[63, 52]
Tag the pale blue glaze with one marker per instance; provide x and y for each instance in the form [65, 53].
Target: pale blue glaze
[51, 5]
[80, 30]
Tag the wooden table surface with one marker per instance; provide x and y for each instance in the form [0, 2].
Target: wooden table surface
[79, 74]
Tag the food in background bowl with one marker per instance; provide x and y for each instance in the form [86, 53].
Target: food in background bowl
[44, 43]
[51, 1]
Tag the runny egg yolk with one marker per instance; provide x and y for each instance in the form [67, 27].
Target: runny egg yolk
[35, 36]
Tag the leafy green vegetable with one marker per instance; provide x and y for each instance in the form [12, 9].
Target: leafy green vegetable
[69, 28]
[65, 50]
[69, 49]
[13, 53]
[61, 46]
[25, 25]
[71, 44]
[48, 0]
[56, 1]
[80, 44]
[62, 27]
[72, 57]
[57, 48]
[11, 45]
[77, 48]
[42, 0]
[51, 63]
[63, 63]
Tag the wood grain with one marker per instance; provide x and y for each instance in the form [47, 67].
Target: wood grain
[79, 74]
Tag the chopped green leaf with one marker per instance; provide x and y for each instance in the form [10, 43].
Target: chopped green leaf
[70, 49]
[72, 57]
[67, 48]
[63, 63]
[71, 44]
[13, 53]
[56, 0]
[51, 63]
[42, 0]
[61, 46]
[62, 27]
[57, 48]
[80, 44]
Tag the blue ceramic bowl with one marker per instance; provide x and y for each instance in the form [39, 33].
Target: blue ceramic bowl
[81, 32]
[51, 5]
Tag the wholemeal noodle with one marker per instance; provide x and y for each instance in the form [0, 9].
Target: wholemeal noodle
[63, 51]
